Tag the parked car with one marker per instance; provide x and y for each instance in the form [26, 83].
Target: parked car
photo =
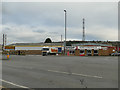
[115, 54]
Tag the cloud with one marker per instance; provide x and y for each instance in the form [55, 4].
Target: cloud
[93, 33]
[34, 22]
[0, 33]
[51, 14]
[103, 33]
[39, 31]
[25, 33]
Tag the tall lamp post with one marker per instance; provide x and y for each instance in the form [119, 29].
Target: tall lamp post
[65, 32]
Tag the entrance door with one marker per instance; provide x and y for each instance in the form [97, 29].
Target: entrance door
[18, 52]
[95, 52]
[89, 52]
[82, 52]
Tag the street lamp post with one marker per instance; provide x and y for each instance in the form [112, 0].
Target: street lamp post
[65, 32]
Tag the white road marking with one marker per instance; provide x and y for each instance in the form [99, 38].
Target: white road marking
[86, 75]
[58, 71]
[13, 84]
[33, 55]
[75, 74]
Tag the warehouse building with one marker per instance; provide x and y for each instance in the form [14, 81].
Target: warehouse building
[31, 48]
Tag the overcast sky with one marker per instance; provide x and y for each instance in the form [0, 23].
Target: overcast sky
[34, 22]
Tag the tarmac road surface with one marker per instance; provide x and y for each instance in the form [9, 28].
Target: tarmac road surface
[60, 72]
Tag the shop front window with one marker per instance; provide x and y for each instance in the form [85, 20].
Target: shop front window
[95, 51]
[72, 52]
[82, 51]
[89, 51]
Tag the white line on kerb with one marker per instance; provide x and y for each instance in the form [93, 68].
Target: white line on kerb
[75, 74]
[13, 84]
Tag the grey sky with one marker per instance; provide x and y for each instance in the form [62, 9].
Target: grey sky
[34, 22]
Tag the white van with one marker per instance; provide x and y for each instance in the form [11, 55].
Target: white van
[49, 51]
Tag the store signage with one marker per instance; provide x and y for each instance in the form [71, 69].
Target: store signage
[10, 47]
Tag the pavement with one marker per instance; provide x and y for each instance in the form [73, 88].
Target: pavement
[60, 72]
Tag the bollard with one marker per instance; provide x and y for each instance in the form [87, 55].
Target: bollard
[68, 53]
[8, 56]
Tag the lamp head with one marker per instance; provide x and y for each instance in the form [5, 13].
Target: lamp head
[64, 10]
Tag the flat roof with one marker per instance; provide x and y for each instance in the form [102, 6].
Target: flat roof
[95, 44]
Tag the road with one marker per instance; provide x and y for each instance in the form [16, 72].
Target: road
[60, 72]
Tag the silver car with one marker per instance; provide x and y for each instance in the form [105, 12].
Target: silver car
[115, 54]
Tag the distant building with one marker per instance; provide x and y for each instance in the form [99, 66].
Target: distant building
[91, 49]
[35, 46]
[77, 48]
[31, 48]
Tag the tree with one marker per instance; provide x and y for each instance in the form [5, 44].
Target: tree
[48, 40]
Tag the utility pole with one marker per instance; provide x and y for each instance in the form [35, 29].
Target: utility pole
[65, 31]
[3, 42]
[5, 39]
[83, 38]
[61, 42]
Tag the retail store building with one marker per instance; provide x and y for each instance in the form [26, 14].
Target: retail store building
[80, 49]
[90, 49]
